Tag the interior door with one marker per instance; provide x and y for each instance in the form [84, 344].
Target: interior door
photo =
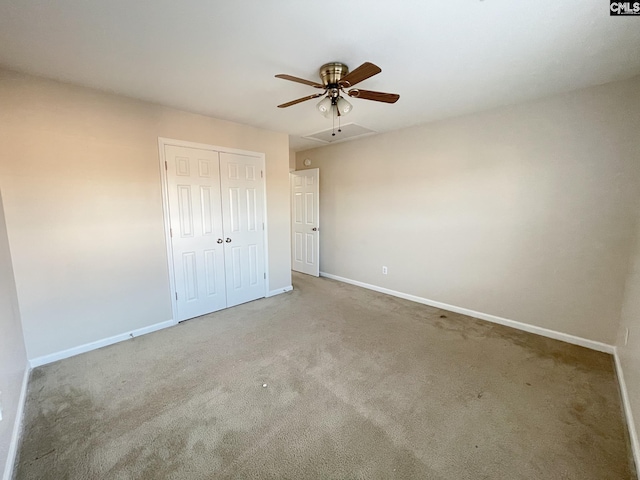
[243, 222]
[195, 215]
[305, 225]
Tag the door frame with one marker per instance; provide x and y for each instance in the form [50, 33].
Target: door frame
[162, 142]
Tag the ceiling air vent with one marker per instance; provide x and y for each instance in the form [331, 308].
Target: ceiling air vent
[349, 131]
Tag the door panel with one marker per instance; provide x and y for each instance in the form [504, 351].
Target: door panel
[207, 194]
[195, 216]
[190, 276]
[310, 249]
[211, 271]
[304, 219]
[242, 197]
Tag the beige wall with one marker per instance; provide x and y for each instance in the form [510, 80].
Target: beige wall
[525, 212]
[629, 354]
[80, 175]
[13, 357]
[292, 160]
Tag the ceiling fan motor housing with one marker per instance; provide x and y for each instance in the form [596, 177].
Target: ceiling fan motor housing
[332, 73]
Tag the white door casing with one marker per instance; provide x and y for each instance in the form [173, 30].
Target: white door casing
[305, 222]
[197, 211]
[242, 191]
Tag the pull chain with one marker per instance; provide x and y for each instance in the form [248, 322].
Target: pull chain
[333, 122]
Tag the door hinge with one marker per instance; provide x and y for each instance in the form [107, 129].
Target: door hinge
[265, 276]
[261, 174]
[171, 232]
[176, 295]
[263, 225]
[165, 165]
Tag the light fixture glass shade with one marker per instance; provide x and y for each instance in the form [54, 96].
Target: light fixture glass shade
[325, 107]
[343, 106]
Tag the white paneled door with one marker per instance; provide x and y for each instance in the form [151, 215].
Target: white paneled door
[216, 227]
[243, 225]
[305, 226]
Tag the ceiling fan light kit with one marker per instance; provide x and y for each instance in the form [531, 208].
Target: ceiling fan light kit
[335, 78]
[334, 107]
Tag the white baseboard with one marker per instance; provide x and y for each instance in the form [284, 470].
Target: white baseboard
[278, 291]
[17, 428]
[87, 347]
[626, 402]
[545, 332]
[53, 357]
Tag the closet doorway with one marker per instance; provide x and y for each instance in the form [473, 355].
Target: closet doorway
[214, 205]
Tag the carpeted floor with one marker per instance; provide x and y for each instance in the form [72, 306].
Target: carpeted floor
[359, 385]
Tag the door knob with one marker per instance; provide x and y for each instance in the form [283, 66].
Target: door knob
[228, 240]
[315, 229]
[219, 240]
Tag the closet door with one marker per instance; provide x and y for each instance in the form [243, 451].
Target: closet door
[243, 206]
[195, 215]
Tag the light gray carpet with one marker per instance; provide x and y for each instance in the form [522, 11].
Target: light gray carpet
[360, 385]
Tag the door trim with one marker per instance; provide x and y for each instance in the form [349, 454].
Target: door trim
[162, 142]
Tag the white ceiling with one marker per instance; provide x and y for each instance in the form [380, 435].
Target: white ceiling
[219, 58]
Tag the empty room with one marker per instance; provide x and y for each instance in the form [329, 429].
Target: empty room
[338, 240]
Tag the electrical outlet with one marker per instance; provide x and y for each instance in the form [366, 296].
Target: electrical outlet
[626, 337]
[384, 270]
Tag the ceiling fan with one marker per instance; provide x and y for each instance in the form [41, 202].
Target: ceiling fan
[335, 78]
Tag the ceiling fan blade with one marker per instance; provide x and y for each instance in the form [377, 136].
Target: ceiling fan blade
[299, 100]
[375, 96]
[291, 78]
[361, 73]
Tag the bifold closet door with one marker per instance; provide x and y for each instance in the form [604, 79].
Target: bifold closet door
[243, 224]
[195, 211]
